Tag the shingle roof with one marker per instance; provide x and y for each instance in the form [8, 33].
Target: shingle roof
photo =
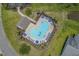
[14, 5]
[23, 23]
[71, 46]
[70, 51]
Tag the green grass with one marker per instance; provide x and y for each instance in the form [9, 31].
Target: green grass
[65, 27]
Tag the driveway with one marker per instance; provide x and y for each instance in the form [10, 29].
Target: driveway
[5, 45]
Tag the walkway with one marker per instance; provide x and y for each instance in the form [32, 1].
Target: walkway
[19, 11]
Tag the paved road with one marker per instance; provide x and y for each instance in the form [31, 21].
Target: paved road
[4, 43]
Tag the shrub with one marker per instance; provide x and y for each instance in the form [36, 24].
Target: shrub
[28, 11]
[49, 54]
[5, 6]
[24, 49]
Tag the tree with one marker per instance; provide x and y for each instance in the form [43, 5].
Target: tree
[1, 54]
[5, 5]
[28, 11]
[24, 49]
[49, 54]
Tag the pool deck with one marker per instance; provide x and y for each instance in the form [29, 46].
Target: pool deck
[48, 33]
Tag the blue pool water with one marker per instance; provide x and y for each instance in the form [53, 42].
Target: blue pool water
[39, 32]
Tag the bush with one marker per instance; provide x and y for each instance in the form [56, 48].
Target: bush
[49, 54]
[1, 54]
[24, 49]
[28, 11]
[5, 6]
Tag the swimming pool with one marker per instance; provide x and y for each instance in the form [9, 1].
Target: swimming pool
[39, 32]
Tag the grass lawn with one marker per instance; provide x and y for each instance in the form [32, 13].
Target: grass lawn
[65, 27]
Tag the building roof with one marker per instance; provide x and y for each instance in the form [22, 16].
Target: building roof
[23, 23]
[14, 5]
[74, 15]
[70, 51]
[71, 46]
